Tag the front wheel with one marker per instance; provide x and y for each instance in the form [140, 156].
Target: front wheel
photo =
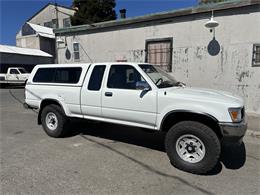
[192, 147]
[54, 121]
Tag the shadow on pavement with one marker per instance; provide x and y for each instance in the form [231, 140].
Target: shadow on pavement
[232, 157]
[118, 133]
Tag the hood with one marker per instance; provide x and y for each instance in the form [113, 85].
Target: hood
[203, 94]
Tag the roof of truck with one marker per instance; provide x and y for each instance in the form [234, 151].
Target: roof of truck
[88, 64]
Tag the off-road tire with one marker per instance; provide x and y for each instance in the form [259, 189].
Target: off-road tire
[205, 134]
[62, 127]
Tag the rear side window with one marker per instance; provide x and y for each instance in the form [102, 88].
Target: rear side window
[96, 77]
[58, 75]
[67, 75]
[44, 75]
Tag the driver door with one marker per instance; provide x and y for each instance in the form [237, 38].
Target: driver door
[122, 100]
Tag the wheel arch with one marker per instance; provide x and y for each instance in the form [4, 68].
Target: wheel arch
[45, 103]
[173, 117]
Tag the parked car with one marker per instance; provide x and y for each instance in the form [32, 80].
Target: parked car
[14, 75]
[196, 120]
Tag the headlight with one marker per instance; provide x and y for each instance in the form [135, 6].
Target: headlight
[235, 114]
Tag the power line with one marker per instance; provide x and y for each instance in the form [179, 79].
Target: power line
[84, 50]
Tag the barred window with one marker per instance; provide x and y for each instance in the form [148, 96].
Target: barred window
[159, 52]
[256, 55]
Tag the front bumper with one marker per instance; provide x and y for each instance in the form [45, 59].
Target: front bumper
[233, 132]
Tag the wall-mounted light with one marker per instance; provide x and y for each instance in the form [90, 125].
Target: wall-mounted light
[212, 24]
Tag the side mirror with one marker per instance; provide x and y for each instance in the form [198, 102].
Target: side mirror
[143, 85]
[181, 84]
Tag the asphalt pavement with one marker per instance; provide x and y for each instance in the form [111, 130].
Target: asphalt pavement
[101, 158]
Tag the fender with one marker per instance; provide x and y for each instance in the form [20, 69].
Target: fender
[215, 112]
[57, 99]
[187, 111]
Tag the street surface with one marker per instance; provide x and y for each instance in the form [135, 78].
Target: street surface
[100, 158]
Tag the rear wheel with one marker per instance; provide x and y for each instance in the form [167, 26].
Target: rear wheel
[192, 147]
[54, 121]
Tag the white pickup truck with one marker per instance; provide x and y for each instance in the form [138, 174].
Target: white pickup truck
[196, 121]
[14, 75]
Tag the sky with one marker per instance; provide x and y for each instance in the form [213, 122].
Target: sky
[14, 13]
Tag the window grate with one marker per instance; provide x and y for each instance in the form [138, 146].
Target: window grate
[159, 52]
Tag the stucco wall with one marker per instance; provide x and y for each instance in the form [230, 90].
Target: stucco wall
[230, 70]
[30, 41]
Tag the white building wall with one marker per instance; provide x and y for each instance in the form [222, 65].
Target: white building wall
[230, 70]
[30, 41]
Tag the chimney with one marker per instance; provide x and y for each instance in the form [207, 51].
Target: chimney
[122, 13]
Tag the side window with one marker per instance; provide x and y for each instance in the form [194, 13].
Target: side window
[256, 55]
[55, 23]
[76, 51]
[14, 71]
[44, 75]
[96, 77]
[124, 77]
[48, 24]
[66, 22]
[67, 75]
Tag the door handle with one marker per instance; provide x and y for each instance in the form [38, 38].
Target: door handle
[109, 94]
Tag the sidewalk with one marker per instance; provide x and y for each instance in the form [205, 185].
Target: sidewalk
[251, 133]
[254, 121]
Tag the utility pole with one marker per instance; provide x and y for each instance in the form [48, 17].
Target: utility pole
[57, 26]
[57, 18]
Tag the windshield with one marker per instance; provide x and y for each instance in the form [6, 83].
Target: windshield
[160, 78]
[22, 70]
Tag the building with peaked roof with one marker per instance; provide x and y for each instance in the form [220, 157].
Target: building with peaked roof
[11, 56]
[36, 37]
[37, 32]
[178, 41]
[51, 17]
